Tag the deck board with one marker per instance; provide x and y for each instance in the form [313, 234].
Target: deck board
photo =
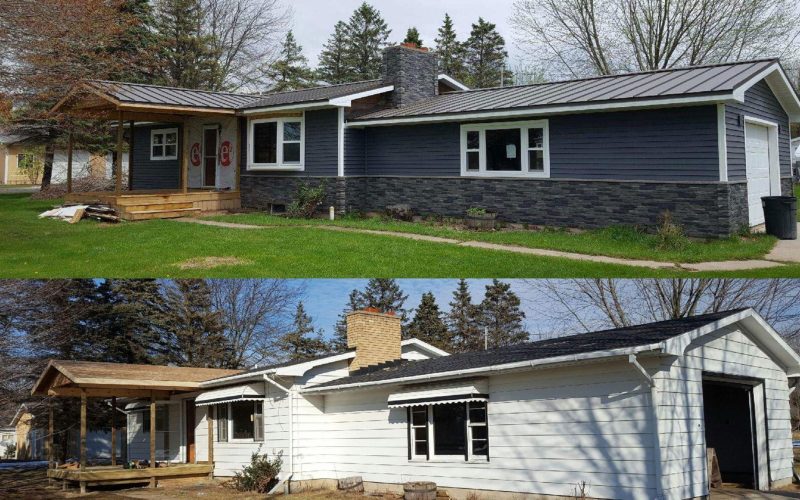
[160, 204]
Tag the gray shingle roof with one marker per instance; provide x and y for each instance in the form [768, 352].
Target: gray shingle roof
[632, 336]
[315, 94]
[685, 82]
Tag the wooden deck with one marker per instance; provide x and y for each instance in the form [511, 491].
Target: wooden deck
[93, 476]
[143, 205]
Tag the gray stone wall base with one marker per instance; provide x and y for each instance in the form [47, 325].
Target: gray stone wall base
[704, 209]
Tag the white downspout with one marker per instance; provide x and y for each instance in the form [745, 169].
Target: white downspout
[290, 394]
[654, 399]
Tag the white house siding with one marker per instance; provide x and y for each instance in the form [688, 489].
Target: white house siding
[681, 427]
[201, 433]
[548, 431]
[139, 436]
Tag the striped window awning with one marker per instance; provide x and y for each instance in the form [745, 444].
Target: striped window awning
[246, 392]
[429, 394]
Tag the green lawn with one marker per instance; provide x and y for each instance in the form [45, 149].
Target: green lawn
[624, 242]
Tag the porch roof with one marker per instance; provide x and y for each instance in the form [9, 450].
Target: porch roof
[70, 378]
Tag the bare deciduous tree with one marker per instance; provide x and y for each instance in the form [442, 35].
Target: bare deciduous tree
[601, 37]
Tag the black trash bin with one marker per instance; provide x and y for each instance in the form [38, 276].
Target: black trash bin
[780, 216]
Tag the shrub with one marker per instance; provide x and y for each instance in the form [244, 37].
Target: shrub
[261, 475]
[11, 450]
[669, 235]
[307, 199]
[476, 211]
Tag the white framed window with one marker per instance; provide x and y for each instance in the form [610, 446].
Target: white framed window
[276, 144]
[507, 149]
[240, 422]
[448, 432]
[164, 144]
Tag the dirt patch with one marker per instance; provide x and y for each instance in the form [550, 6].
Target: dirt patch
[212, 262]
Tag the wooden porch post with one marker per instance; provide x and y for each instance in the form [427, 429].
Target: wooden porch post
[50, 464]
[83, 438]
[118, 163]
[69, 162]
[113, 431]
[238, 152]
[185, 157]
[130, 157]
[152, 437]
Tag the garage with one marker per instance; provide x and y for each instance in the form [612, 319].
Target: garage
[759, 160]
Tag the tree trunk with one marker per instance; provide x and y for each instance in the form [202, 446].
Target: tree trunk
[49, 155]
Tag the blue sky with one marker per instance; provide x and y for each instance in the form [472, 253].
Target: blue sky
[314, 19]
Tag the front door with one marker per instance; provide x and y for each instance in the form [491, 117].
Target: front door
[190, 424]
[758, 165]
[210, 138]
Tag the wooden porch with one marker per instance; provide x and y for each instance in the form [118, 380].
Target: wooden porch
[102, 475]
[160, 204]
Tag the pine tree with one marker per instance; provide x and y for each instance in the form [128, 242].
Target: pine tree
[366, 34]
[137, 307]
[291, 71]
[339, 341]
[385, 295]
[450, 50]
[464, 320]
[428, 324]
[333, 66]
[485, 55]
[186, 52]
[412, 36]
[302, 342]
[502, 316]
[138, 42]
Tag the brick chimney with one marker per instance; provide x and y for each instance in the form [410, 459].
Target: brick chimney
[412, 70]
[375, 337]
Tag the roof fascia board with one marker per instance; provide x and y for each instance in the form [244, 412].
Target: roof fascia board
[452, 81]
[677, 345]
[520, 365]
[425, 346]
[347, 100]
[84, 86]
[295, 370]
[779, 84]
[549, 110]
[288, 107]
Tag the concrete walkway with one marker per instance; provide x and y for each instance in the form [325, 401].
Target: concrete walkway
[786, 251]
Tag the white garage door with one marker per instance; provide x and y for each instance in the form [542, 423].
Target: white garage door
[758, 184]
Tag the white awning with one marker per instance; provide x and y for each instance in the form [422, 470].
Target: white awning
[432, 394]
[246, 392]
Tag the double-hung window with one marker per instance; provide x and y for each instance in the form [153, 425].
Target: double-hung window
[512, 149]
[240, 421]
[164, 144]
[276, 144]
[452, 431]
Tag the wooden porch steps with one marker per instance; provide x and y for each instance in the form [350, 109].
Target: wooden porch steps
[160, 214]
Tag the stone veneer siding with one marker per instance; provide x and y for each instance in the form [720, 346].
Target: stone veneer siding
[703, 209]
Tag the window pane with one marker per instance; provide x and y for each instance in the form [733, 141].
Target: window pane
[419, 416]
[158, 151]
[473, 140]
[421, 448]
[265, 142]
[480, 432]
[477, 413]
[421, 433]
[291, 152]
[480, 447]
[449, 432]
[291, 131]
[158, 139]
[258, 422]
[222, 422]
[502, 150]
[536, 161]
[473, 161]
[242, 417]
[535, 138]
[172, 138]
[171, 150]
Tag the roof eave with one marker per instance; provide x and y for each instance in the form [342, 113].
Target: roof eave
[780, 85]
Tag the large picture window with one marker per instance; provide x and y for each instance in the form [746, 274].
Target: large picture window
[449, 431]
[513, 149]
[164, 144]
[276, 144]
[240, 421]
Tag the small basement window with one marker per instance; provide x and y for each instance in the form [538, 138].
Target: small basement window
[240, 421]
[164, 144]
[513, 149]
[276, 144]
[453, 431]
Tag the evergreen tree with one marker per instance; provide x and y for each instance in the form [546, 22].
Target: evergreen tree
[186, 53]
[138, 42]
[339, 341]
[428, 324]
[302, 342]
[450, 50]
[485, 56]
[366, 34]
[333, 66]
[385, 295]
[194, 335]
[502, 316]
[464, 320]
[290, 71]
[412, 36]
[137, 315]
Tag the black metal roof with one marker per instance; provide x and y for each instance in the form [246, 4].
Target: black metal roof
[660, 84]
[617, 338]
[315, 94]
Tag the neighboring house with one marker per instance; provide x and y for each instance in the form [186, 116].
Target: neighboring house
[29, 438]
[8, 437]
[631, 412]
[705, 143]
[796, 158]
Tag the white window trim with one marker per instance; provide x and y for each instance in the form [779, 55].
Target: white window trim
[164, 132]
[279, 165]
[523, 127]
[432, 444]
[231, 439]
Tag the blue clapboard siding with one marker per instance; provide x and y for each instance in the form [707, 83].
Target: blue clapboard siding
[321, 141]
[413, 150]
[759, 102]
[354, 152]
[149, 174]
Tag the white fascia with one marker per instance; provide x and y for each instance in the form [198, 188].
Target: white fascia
[425, 347]
[289, 107]
[779, 84]
[347, 100]
[452, 81]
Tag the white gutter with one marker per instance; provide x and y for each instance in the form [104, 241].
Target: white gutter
[347, 100]
[654, 401]
[290, 393]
